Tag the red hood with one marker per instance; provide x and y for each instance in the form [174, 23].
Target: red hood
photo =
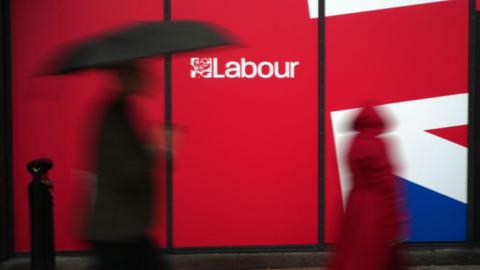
[369, 120]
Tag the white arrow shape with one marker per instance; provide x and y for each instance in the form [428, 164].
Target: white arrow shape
[426, 159]
[341, 7]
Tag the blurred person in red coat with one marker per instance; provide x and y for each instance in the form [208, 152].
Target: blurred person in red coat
[375, 221]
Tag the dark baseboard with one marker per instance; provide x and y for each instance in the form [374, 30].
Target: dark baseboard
[262, 260]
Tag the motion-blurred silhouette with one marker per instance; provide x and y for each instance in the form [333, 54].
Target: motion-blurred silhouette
[123, 206]
[375, 222]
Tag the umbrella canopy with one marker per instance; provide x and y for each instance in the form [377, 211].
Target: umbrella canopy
[136, 41]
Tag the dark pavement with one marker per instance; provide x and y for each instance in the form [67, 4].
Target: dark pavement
[419, 258]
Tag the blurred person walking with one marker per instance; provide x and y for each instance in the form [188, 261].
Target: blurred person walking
[123, 206]
[375, 221]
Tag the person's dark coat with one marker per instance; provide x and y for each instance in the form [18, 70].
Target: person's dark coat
[374, 219]
[122, 207]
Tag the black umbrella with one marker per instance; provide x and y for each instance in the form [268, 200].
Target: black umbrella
[138, 41]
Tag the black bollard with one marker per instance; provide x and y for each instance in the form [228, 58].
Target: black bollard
[40, 194]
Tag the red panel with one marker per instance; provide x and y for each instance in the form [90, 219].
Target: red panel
[389, 56]
[246, 170]
[52, 115]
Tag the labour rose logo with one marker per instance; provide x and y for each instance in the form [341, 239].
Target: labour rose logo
[201, 67]
[244, 69]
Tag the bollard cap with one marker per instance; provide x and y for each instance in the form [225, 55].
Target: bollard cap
[39, 166]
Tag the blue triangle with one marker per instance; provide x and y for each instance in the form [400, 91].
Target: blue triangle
[434, 217]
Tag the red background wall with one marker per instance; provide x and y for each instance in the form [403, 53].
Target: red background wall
[246, 166]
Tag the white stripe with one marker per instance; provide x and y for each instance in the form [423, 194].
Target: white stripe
[341, 7]
[313, 8]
